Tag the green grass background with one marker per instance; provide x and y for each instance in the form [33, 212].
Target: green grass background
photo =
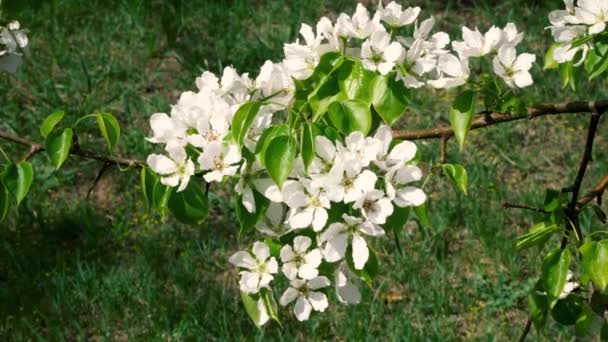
[74, 267]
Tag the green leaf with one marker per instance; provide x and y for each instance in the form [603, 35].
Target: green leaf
[356, 82]
[599, 213]
[461, 116]
[538, 304]
[369, 271]
[246, 219]
[422, 214]
[588, 324]
[566, 311]
[599, 67]
[50, 122]
[350, 116]
[323, 96]
[389, 97]
[17, 178]
[279, 158]
[457, 174]
[604, 332]
[566, 71]
[307, 145]
[594, 260]
[554, 271]
[242, 120]
[58, 146]
[328, 63]
[538, 236]
[266, 137]
[398, 219]
[189, 206]
[599, 302]
[109, 128]
[161, 195]
[554, 200]
[270, 304]
[4, 202]
[550, 62]
[251, 306]
[148, 179]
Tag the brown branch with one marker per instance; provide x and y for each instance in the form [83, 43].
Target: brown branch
[485, 119]
[119, 161]
[444, 147]
[526, 331]
[523, 206]
[595, 193]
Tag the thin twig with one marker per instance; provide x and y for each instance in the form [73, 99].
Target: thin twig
[526, 331]
[489, 119]
[444, 146]
[595, 193]
[103, 170]
[572, 211]
[128, 162]
[523, 206]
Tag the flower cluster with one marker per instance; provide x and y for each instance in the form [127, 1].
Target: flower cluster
[13, 43]
[332, 200]
[572, 26]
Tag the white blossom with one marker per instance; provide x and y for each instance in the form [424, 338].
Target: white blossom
[220, 160]
[174, 170]
[306, 296]
[335, 239]
[570, 285]
[360, 26]
[513, 69]
[346, 291]
[374, 206]
[301, 60]
[299, 261]
[395, 16]
[250, 182]
[308, 204]
[379, 54]
[260, 267]
[454, 72]
[476, 44]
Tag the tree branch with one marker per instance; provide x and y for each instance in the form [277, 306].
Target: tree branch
[595, 193]
[507, 205]
[36, 148]
[485, 119]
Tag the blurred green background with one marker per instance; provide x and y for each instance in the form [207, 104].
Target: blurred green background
[99, 267]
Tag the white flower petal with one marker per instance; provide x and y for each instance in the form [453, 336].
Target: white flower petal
[302, 309]
[243, 259]
[360, 252]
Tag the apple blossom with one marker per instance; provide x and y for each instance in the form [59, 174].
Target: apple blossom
[308, 204]
[306, 296]
[513, 69]
[379, 53]
[395, 16]
[299, 261]
[220, 160]
[174, 170]
[259, 268]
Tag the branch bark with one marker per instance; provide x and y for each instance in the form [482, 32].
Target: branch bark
[36, 148]
[595, 193]
[485, 119]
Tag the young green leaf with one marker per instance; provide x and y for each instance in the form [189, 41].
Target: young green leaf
[17, 178]
[538, 235]
[307, 145]
[550, 62]
[461, 116]
[270, 304]
[251, 306]
[109, 128]
[389, 97]
[350, 116]
[189, 206]
[356, 82]
[422, 214]
[242, 120]
[589, 323]
[600, 67]
[50, 122]
[4, 202]
[279, 158]
[554, 200]
[58, 146]
[566, 311]
[457, 174]
[566, 71]
[246, 219]
[594, 260]
[148, 179]
[538, 304]
[554, 271]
